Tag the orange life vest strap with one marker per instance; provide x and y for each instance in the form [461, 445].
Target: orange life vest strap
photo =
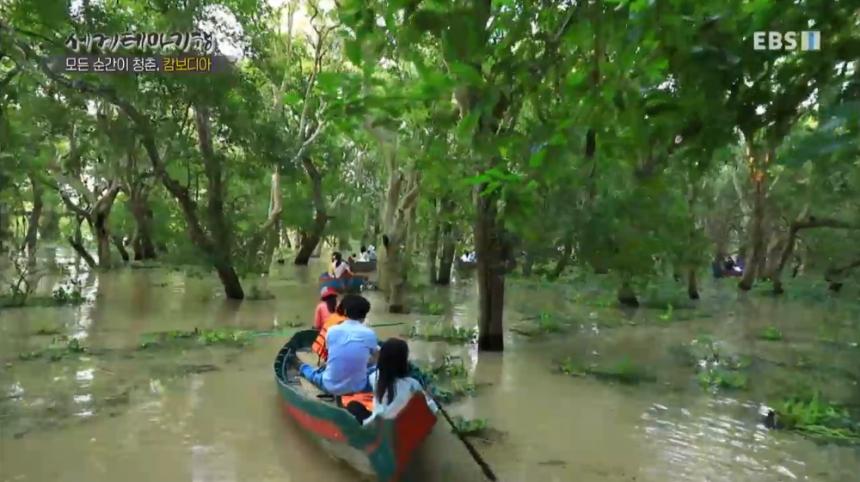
[364, 398]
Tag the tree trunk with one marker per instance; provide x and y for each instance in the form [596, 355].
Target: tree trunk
[491, 275]
[120, 246]
[311, 240]
[757, 248]
[433, 253]
[33, 222]
[528, 263]
[393, 272]
[692, 284]
[803, 221]
[141, 243]
[229, 279]
[564, 259]
[100, 214]
[446, 260]
[626, 295]
[77, 243]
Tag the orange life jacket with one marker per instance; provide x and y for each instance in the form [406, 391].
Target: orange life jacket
[319, 347]
[364, 398]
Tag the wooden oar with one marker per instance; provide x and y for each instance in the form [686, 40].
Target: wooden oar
[485, 467]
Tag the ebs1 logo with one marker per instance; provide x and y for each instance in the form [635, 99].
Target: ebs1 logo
[809, 40]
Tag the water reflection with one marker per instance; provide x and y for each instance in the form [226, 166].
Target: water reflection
[720, 442]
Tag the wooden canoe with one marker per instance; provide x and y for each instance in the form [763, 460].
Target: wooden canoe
[363, 266]
[383, 449]
[343, 285]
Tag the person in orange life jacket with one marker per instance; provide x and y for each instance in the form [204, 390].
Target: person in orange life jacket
[326, 306]
[392, 386]
[339, 267]
[319, 347]
[352, 347]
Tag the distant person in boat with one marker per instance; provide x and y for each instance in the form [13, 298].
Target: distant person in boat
[371, 253]
[469, 257]
[339, 267]
[319, 347]
[352, 258]
[326, 306]
[392, 385]
[352, 352]
[362, 256]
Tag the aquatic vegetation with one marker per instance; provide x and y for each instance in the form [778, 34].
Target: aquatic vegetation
[69, 294]
[220, 336]
[59, 348]
[470, 427]
[453, 391]
[667, 315]
[48, 331]
[256, 293]
[449, 381]
[715, 377]
[770, 333]
[443, 332]
[543, 323]
[623, 371]
[817, 418]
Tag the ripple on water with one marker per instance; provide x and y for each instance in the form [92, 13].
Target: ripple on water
[719, 443]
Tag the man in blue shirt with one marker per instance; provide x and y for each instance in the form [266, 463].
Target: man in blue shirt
[352, 350]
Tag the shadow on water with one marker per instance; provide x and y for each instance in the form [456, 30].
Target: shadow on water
[210, 413]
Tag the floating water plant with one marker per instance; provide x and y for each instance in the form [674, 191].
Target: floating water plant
[470, 427]
[718, 377]
[443, 332]
[771, 333]
[623, 371]
[817, 418]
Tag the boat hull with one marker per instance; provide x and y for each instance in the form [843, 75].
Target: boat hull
[363, 266]
[382, 449]
[342, 285]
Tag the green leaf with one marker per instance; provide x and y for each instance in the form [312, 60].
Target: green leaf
[292, 98]
[466, 72]
[467, 125]
[537, 158]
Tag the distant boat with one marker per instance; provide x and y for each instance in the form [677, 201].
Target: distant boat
[464, 265]
[343, 285]
[384, 448]
[363, 266]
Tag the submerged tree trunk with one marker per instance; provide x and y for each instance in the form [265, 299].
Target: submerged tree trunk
[141, 242]
[564, 259]
[446, 259]
[77, 243]
[626, 295]
[803, 221]
[757, 248]
[692, 284]
[433, 253]
[834, 276]
[490, 271]
[33, 222]
[310, 240]
[119, 244]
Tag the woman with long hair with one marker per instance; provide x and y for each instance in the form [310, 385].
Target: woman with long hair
[391, 383]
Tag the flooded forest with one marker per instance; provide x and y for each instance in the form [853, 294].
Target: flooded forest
[623, 242]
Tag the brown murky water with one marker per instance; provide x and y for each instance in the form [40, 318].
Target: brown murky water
[210, 414]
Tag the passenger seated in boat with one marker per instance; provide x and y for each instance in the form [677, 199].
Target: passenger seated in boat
[319, 347]
[391, 383]
[339, 267]
[326, 307]
[352, 350]
[362, 254]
